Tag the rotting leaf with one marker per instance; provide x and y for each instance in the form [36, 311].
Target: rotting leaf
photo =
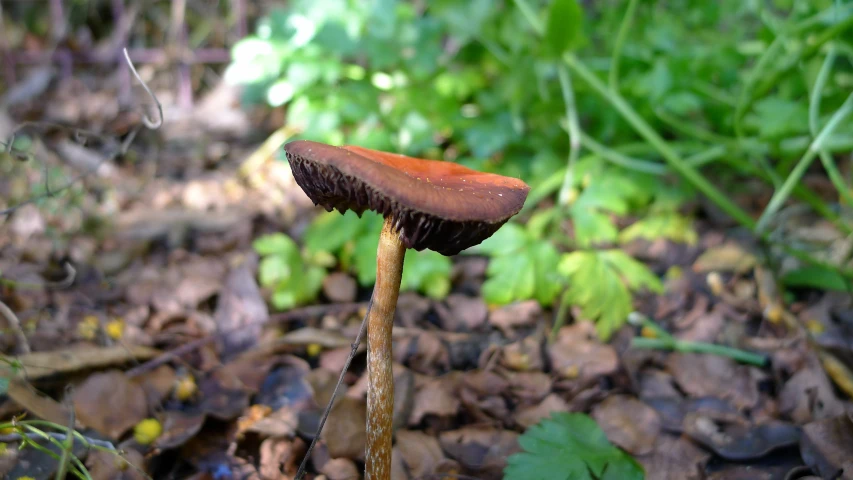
[420, 452]
[39, 365]
[481, 449]
[629, 423]
[702, 375]
[110, 403]
[738, 441]
[729, 257]
[178, 428]
[577, 355]
[111, 466]
[344, 433]
[827, 446]
[675, 457]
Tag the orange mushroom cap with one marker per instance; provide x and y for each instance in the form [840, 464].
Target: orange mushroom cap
[437, 205]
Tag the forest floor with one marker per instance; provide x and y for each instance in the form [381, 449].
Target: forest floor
[134, 281]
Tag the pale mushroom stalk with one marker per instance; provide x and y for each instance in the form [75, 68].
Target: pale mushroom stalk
[380, 320]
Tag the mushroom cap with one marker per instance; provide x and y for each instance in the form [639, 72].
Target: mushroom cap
[435, 205]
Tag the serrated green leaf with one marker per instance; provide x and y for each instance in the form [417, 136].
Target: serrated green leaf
[508, 239]
[275, 243]
[592, 226]
[427, 272]
[636, 274]
[564, 27]
[669, 225]
[569, 446]
[330, 231]
[548, 283]
[600, 283]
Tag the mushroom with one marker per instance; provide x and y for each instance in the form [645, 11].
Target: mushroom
[426, 204]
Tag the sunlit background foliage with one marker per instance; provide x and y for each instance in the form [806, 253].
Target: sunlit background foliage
[726, 84]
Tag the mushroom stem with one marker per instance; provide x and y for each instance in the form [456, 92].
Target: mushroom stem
[380, 391]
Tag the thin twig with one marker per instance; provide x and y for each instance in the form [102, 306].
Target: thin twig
[301, 472]
[15, 324]
[151, 124]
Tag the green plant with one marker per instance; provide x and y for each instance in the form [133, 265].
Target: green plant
[630, 125]
[293, 278]
[354, 242]
[570, 446]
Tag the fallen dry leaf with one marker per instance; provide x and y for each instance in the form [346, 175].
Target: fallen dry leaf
[628, 423]
[340, 287]
[514, 315]
[527, 417]
[178, 428]
[674, 457]
[280, 458]
[729, 257]
[420, 452]
[808, 396]
[112, 466]
[827, 447]
[42, 406]
[480, 449]
[241, 310]
[461, 313]
[576, 354]
[529, 387]
[344, 433]
[65, 361]
[739, 441]
[157, 384]
[280, 423]
[110, 403]
[340, 469]
[703, 375]
[436, 396]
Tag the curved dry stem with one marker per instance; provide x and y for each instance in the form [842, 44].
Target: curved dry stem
[380, 390]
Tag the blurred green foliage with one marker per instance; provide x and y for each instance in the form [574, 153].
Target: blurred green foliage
[725, 84]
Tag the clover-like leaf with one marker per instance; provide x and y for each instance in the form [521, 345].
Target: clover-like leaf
[570, 446]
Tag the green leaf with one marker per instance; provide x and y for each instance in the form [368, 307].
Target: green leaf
[564, 28]
[508, 239]
[427, 272]
[591, 226]
[521, 267]
[275, 243]
[274, 269]
[569, 446]
[816, 276]
[600, 283]
[364, 259]
[330, 231]
[669, 225]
